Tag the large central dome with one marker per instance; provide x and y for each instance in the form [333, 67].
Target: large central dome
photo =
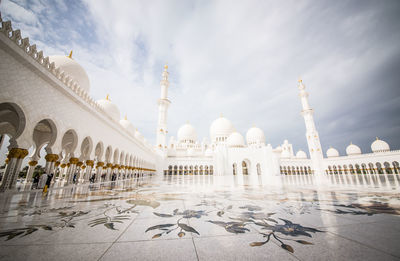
[187, 133]
[220, 129]
[73, 69]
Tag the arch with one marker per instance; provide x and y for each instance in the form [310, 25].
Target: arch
[388, 169]
[211, 170]
[245, 167]
[358, 170]
[351, 169]
[196, 171]
[379, 168]
[69, 141]
[371, 168]
[175, 170]
[201, 170]
[12, 120]
[98, 151]
[108, 154]
[364, 168]
[340, 169]
[86, 148]
[116, 156]
[396, 167]
[122, 158]
[345, 169]
[44, 134]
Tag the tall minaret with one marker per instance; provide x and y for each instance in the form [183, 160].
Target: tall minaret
[163, 104]
[314, 144]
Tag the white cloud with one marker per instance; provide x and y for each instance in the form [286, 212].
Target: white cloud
[239, 58]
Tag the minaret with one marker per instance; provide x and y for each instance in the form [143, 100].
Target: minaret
[163, 104]
[314, 144]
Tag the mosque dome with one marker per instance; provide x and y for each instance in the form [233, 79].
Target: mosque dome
[127, 125]
[255, 136]
[72, 69]
[221, 128]
[379, 146]
[353, 149]
[301, 155]
[208, 152]
[278, 149]
[332, 152]
[187, 133]
[235, 140]
[109, 108]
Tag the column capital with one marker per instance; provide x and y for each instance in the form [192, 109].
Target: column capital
[109, 165]
[73, 160]
[90, 163]
[32, 163]
[99, 164]
[51, 157]
[80, 163]
[17, 153]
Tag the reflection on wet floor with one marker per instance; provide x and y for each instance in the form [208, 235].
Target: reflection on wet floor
[239, 216]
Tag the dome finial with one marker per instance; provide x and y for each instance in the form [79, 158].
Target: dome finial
[126, 117]
[300, 80]
[108, 97]
[166, 66]
[377, 138]
[70, 54]
[221, 115]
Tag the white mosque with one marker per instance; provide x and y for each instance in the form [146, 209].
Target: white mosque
[45, 102]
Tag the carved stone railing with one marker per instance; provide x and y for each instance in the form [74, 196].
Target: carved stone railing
[31, 50]
[66, 80]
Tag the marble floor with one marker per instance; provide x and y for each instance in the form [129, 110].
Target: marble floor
[200, 218]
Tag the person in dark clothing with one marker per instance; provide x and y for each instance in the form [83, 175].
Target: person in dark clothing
[74, 179]
[35, 182]
[49, 178]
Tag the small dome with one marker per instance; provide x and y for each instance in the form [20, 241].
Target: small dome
[127, 125]
[379, 146]
[208, 152]
[72, 69]
[353, 149]
[285, 154]
[278, 149]
[235, 140]
[221, 128]
[187, 133]
[301, 155]
[332, 152]
[109, 108]
[255, 136]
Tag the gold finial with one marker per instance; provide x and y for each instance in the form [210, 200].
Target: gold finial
[187, 122]
[300, 80]
[108, 97]
[166, 66]
[70, 55]
[126, 118]
[221, 115]
[377, 138]
[254, 125]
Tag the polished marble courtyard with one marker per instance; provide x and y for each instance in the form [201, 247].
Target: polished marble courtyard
[200, 218]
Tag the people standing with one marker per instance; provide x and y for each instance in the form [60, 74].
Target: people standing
[42, 180]
[48, 182]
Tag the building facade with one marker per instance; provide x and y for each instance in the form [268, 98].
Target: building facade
[45, 103]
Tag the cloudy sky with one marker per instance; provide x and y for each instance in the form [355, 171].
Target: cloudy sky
[238, 58]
